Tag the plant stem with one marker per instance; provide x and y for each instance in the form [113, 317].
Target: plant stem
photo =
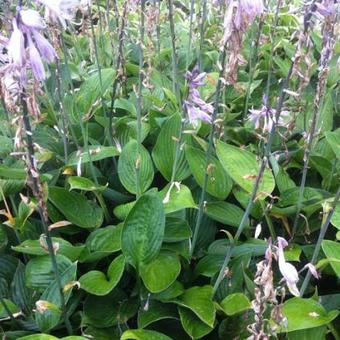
[192, 5]
[322, 234]
[268, 220]
[209, 151]
[42, 209]
[158, 28]
[326, 55]
[203, 19]
[252, 63]
[139, 97]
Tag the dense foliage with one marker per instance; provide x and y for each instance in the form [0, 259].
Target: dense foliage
[169, 169]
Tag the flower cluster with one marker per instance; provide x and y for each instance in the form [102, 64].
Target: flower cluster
[238, 16]
[196, 108]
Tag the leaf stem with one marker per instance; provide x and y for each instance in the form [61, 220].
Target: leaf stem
[209, 151]
[42, 209]
[139, 96]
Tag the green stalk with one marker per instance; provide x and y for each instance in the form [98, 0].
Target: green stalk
[322, 234]
[208, 152]
[139, 97]
[318, 106]
[204, 16]
[42, 210]
[158, 28]
[192, 5]
[252, 62]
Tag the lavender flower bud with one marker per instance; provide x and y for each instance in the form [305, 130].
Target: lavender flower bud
[45, 48]
[16, 46]
[32, 19]
[35, 60]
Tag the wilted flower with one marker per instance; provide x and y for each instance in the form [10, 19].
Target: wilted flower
[247, 11]
[197, 109]
[312, 270]
[287, 270]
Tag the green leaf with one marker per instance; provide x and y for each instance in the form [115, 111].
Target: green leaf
[219, 183]
[7, 172]
[33, 247]
[121, 211]
[11, 306]
[92, 89]
[192, 325]
[164, 151]
[178, 198]
[96, 283]
[315, 333]
[142, 334]
[333, 139]
[102, 242]
[76, 208]
[335, 220]
[199, 301]
[50, 318]
[305, 313]
[156, 311]
[39, 273]
[83, 183]
[176, 230]
[97, 153]
[332, 251]
[235, 303]
[159, 274]
[242, 167]
[38, 337]
[124, 104]
[226, 213]
[175, 290]
[143, 230]
[127, 167]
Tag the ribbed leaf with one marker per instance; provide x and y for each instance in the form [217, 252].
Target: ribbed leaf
[143, 230]
[164, 151]
[127, 167]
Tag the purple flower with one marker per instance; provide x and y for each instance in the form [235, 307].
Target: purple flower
[196, 108]
[59, 10]
[35, 61]
[312, 270]
[31, 19]
[247, 11]
[45, 48]
[264, 117]
[16, 46]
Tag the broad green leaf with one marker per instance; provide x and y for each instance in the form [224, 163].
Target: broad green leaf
[143, 334]
[38, 337]
[121, 211]
[96, 283]
[76, 208]
[33, 247]
[101, 243]
[178, 198]
[13, 308]
[219, 183]
[97, 153]
[159, 274]
[39, 272]
[92, 89]
[333, 139]
[175, 290]
[332, 251]
[199, 301]
[127, 167]
[176, 230]
[164, 151]
[226, 213]
[156, 311]
[335, 220]
[143, 230]
[50, 318]
[235, 303]
[124, 104]
[83, 183]
[305, 313]
[12, 173]
[193, 325]
[316, 333]
[242, 167]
